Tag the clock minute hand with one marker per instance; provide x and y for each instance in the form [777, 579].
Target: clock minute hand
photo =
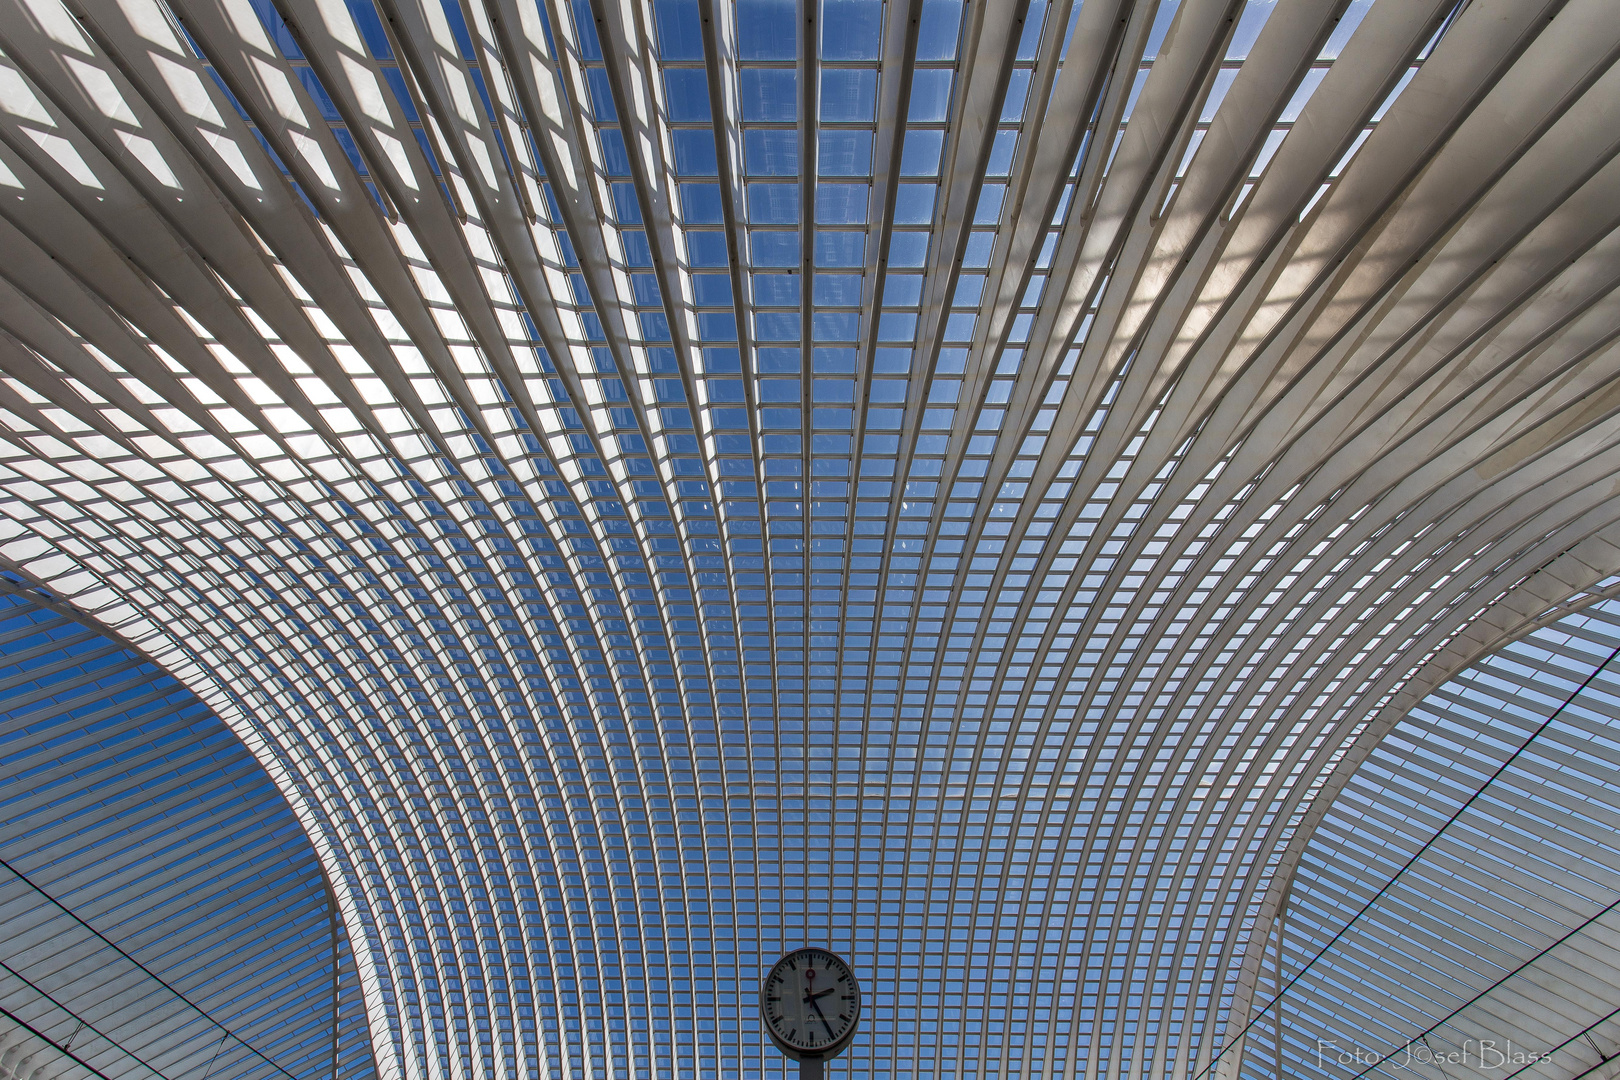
[817, 1006]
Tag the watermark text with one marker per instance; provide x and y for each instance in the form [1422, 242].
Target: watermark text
[1484, 1054]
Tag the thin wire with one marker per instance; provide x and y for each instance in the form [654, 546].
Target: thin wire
[1586, 1033]
[24, 588]
[1487, 991]
[154, 975]
[217, 1047]
[1407, 865]
[67, 1046]
[38, 1034]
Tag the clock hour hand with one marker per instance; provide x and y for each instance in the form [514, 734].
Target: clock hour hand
[820, 994]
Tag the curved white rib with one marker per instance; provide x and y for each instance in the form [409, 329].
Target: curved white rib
[632, 559]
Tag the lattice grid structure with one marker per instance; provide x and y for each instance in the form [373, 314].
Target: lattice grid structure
[663, 481]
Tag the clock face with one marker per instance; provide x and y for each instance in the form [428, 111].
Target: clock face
[810, 1003]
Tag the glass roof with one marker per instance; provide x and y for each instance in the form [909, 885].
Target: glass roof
[1455, 912]
[161, 914]
[657, 482]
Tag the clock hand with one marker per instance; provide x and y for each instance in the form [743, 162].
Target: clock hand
[821, 994]
[812, 1000]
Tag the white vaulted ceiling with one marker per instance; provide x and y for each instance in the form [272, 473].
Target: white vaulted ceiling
[658, 482]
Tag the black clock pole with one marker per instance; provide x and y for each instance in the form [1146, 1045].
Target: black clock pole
[811, 1068]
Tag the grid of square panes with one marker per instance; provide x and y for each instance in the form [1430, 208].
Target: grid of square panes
[600, 377]
[586, 471]
[907, 627]
[721, 413]
[370, 27]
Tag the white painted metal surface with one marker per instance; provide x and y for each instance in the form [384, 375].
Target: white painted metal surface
[619, 461]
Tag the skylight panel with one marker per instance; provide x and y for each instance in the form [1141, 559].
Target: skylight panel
[755, 448]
